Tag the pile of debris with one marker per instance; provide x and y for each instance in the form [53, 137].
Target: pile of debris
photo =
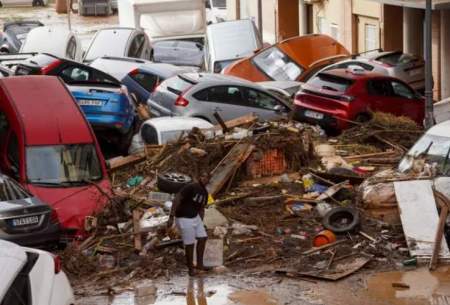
[283, 197]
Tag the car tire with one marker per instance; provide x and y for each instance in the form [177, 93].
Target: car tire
[172, 182]
[333, 220]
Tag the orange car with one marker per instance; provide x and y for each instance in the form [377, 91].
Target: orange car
[292, 59]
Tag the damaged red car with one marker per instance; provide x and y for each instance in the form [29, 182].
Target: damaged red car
[334, 98]
[48, 146]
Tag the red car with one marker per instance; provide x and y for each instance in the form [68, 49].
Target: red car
[47, 145]
[333, 98]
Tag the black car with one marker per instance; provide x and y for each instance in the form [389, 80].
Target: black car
[25, 219]
[14, 34]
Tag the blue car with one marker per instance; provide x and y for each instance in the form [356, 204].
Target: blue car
[109, 109]
[104, 100]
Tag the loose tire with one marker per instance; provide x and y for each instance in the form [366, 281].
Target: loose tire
[172, 182]
[341, 220]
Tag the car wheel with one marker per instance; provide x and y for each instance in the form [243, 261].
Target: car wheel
[172, 182]
[341, 220]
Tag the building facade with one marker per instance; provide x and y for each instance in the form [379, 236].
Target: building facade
[360, 25]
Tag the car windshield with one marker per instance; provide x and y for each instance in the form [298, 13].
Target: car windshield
[62, 164]
[220, 65]
[277, 65]
[330, 82]
[101, 45]
[431, 149]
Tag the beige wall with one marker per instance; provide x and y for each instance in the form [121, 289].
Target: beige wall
[367, 8]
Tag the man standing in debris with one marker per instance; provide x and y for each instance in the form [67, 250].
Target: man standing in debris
[188, 209]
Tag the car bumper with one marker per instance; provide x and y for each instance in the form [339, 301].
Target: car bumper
[119, 123]
[327, 122]
[49, 235]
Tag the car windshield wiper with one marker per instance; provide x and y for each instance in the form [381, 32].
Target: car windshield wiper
[444, 166]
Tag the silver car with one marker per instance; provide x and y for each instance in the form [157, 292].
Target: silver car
[118, 42]
[202, 94]
[409, 68]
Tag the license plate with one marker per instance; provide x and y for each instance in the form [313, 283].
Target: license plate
[32, 220]
[90, 103]
[313, 114]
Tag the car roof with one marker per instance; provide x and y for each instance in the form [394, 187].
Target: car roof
[36, 100]
[178, 123]
[164, 70]
[345, 73]
[441, 129]
[12, 260]
[219, 78]
[280, 84]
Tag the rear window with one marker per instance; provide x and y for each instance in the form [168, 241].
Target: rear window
[331, 82]
[277, 65]
[101, 45]
[395, 59]
[147, 81]
[178, 84]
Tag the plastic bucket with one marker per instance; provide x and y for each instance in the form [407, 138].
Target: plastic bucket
[324, 237]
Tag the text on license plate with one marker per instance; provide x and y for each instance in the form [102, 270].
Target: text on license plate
[313, 114]
[25, 221]
[90, 103]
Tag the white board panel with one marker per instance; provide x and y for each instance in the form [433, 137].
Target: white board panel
[419, 217]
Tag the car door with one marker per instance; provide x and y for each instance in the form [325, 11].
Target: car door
[411, 105]
[227, 101]
[381, 97]
[264, 105]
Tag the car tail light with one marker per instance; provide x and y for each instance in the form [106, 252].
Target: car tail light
[181, 101]
[134, 72]
[54, 217]
[58, 263]
[50, 67]
[346, 98]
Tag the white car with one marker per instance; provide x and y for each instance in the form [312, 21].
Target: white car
[158, 131]
[57, 41]
[284, 89]
[127, 42]
[156, 18]
[32, 277]
[8, 3]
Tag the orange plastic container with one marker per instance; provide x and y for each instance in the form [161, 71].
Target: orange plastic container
[324, 237]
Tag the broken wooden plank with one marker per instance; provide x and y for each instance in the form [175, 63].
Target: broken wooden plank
[445, 205]
[119, 162]
[233, 160]
[237, 122]
[419, 218]
[340, 270]
[137, 229]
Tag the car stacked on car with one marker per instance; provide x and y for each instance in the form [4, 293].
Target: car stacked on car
[60, 104]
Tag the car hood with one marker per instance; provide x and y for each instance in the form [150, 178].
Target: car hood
[12, 259]
[73, 204]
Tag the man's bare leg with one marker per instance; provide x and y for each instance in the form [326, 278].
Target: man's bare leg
[201, 245]
[189, 253]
